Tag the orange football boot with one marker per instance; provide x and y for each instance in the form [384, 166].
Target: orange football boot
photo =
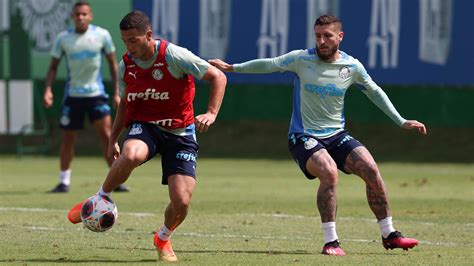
[74, 214]
[165, 250]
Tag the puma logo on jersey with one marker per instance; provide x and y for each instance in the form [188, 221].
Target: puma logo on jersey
[133, 74]
[149, 93]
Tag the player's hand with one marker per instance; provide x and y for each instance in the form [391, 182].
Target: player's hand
[113, 151]
[48, 98]
[413, 124]
[204, 121]
[221, 65]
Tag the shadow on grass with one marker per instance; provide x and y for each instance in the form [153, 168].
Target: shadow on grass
[64, 260]
[268, 252]
[19, 192]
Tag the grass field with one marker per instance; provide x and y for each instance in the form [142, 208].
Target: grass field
[244, 212]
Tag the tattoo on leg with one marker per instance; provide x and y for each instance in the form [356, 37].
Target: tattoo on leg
[378, 202]
[361, 163]
[326, 201]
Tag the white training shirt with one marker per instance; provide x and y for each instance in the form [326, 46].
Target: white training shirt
[83, 52]
[319, 89]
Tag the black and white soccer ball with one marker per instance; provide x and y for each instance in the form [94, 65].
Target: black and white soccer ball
[99, 213]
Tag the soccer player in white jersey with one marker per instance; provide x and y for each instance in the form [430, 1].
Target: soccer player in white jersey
[84, 91]
[317, 139]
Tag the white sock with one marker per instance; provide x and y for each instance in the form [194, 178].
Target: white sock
[386, 226]
[329, 230]
[65, 177]
[101, 192]
[165, 233]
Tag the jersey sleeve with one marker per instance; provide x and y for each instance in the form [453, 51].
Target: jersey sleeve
[286, 62]
[121, 74]
[376, 94]
[57, 49]
[181, 62]
[108, 43]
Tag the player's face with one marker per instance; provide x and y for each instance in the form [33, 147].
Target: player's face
[138, 44]
[82, 16]
[328, 38]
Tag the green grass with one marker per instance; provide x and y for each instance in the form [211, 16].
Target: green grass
[244, 212]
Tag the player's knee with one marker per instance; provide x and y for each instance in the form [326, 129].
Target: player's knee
[329, 180]
[133, 155]
[324, 168]
[131, 159]
[371, 171]
[328, 175]
[181, 205]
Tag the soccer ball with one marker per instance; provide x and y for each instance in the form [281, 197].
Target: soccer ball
[99, 213]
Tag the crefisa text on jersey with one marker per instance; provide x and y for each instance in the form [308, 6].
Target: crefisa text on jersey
[149, 93]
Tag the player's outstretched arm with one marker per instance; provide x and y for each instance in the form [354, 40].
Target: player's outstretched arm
[218, 82]
[413, 124]
[221, 65]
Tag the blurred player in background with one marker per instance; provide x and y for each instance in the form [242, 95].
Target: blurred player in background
[157, 91]
[317, 139]
[84, 92]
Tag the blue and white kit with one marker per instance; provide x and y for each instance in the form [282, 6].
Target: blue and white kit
[319, 89]
[83, 53]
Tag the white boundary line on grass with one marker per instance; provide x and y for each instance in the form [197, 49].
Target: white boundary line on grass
[347, 218]
[194, 234]
[283, 216]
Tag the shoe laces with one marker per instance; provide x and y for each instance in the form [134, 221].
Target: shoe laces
[394, 235]
[334, 244]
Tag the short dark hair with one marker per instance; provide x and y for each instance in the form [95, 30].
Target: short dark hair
[81, 3]
[135, 20]
[328, 19]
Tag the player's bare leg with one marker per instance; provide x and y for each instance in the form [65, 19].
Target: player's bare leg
[134, 153]
[66, 154]
[181, 188]
[361, 163]
[67, 149]
[103, 129]
[321, 164]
